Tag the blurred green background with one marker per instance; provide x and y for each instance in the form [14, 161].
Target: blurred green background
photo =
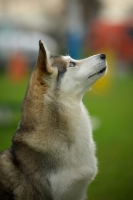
[79, 28]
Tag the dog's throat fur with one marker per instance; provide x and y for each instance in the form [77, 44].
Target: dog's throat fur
[99, 72]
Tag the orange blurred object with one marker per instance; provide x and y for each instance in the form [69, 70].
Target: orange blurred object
[17, 66]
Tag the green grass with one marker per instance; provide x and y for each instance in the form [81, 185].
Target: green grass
[114, 138]
[11, 97]
[114, 142]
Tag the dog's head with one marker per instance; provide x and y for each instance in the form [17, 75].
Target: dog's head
[70, 77]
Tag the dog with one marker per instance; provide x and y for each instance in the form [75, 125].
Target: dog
[52, 156]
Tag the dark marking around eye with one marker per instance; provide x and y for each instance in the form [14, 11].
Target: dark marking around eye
[60, 64]
[61, 72]
[72, 64]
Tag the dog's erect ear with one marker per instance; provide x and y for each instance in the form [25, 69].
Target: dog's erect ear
[42, 62]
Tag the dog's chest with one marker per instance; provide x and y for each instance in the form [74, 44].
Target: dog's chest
[71, 180]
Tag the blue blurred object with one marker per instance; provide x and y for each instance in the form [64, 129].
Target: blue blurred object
[75, 29]
[75, 44]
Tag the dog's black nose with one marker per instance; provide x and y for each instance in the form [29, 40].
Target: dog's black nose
[102, 56]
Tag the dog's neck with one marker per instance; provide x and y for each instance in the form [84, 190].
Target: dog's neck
[42, 105]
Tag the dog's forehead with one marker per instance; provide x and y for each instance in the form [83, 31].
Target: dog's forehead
[60, 60]
[66, 58]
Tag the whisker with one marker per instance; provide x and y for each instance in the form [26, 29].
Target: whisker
[67, 53]
[95, 91]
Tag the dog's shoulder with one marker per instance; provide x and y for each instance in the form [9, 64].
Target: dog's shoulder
[6, 175]
[18, 180]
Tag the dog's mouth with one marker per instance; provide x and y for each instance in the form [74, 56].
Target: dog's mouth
[99, 72]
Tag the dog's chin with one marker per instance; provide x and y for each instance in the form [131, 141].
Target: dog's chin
[100, 73]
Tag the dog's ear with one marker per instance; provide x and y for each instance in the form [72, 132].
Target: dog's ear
[43, 62]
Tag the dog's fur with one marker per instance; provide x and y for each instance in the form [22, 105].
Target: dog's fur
[52, 156]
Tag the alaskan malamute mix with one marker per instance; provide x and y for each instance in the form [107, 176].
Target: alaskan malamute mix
[52, 156]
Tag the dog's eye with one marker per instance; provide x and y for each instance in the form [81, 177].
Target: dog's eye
[72, 64]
